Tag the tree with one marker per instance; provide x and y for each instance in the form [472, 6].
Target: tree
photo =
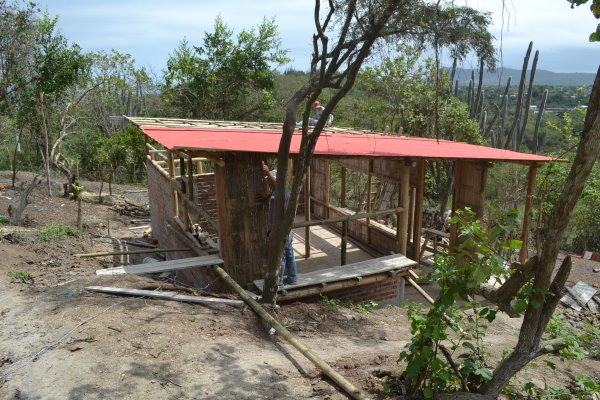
[18, 26]
[595, 8]
[225, 78]
[56, 67]
[335, 65]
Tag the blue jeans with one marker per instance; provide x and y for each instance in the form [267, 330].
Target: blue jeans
[288, 263]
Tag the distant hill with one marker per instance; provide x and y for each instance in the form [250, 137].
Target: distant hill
[542, 77]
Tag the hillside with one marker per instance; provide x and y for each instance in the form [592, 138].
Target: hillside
[542, 77]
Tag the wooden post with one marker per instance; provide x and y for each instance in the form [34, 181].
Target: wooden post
[369, 187]
[404, 200]
[175, 201]
[190, 171]
[343, 189]
[243, 220]
[307, 215]
[527, 213]
[468, 191]
[418, 220]
[344, 241]
[327, 198]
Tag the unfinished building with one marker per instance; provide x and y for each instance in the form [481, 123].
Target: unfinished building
[233, 223]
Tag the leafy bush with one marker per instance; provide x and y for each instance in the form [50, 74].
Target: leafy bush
[58, 232]
[19, 276]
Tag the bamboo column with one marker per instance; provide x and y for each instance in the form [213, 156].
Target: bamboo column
[404, 202]
[418, 219]
[343, 189]
[175, 201]
[307, 214]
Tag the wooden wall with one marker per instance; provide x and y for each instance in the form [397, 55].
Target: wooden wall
[242, 218]
[469, 191]
[378, 236]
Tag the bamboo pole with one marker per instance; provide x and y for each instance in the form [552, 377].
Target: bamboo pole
[118, 253]
[348, 387]
[344, 242]
[404, 200]
[307, 215]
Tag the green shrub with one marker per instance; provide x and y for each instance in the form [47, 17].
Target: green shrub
[58, 232]
[363, 307]
[19, 276]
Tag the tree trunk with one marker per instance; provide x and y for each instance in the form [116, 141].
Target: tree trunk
[536, 318]
[46, 144]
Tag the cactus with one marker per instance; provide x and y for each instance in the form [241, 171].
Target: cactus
[537, 144]
[512, 132]
[487, 132]
[528, 100]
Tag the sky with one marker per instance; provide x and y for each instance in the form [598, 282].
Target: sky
[150, 30]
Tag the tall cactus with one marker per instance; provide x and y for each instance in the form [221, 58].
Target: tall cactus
[537, 144]
[511, 137]
[488, 131]
[528, 101]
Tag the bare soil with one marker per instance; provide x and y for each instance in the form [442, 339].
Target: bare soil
[59, 341]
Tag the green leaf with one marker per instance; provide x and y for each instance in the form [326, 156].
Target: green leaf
[428, 393]
[484, 373]
[515, 244]
[520, 306]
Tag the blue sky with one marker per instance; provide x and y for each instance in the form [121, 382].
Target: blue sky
[150, 30]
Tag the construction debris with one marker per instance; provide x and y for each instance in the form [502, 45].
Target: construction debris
[579, 296]
[163, 295]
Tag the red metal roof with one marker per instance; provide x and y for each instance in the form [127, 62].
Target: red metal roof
[330, 144]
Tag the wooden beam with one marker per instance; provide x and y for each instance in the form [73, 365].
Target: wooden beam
[347, 218]
[527, 214]
[163, 295]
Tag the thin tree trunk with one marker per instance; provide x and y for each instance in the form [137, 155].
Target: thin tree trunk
[536, 318]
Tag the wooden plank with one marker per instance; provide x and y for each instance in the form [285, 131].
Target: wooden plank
[162, 266]
[163, 295]
[350, 271]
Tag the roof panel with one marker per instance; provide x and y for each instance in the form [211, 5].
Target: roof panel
[329, 144]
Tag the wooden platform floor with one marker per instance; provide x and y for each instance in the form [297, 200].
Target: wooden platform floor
[325, 249]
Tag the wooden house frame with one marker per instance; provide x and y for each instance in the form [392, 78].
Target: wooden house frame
[225, 205]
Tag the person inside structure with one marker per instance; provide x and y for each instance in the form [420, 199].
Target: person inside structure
[288, 270]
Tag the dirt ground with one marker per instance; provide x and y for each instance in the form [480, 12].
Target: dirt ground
[59, 341]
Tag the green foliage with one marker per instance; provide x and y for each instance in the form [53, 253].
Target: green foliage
[225, 78]
[123, 149]
[363, 307]
[19, 276]
[583, 232]
[477, 261]
[58, 232]
[595, 9]
[15, 237]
